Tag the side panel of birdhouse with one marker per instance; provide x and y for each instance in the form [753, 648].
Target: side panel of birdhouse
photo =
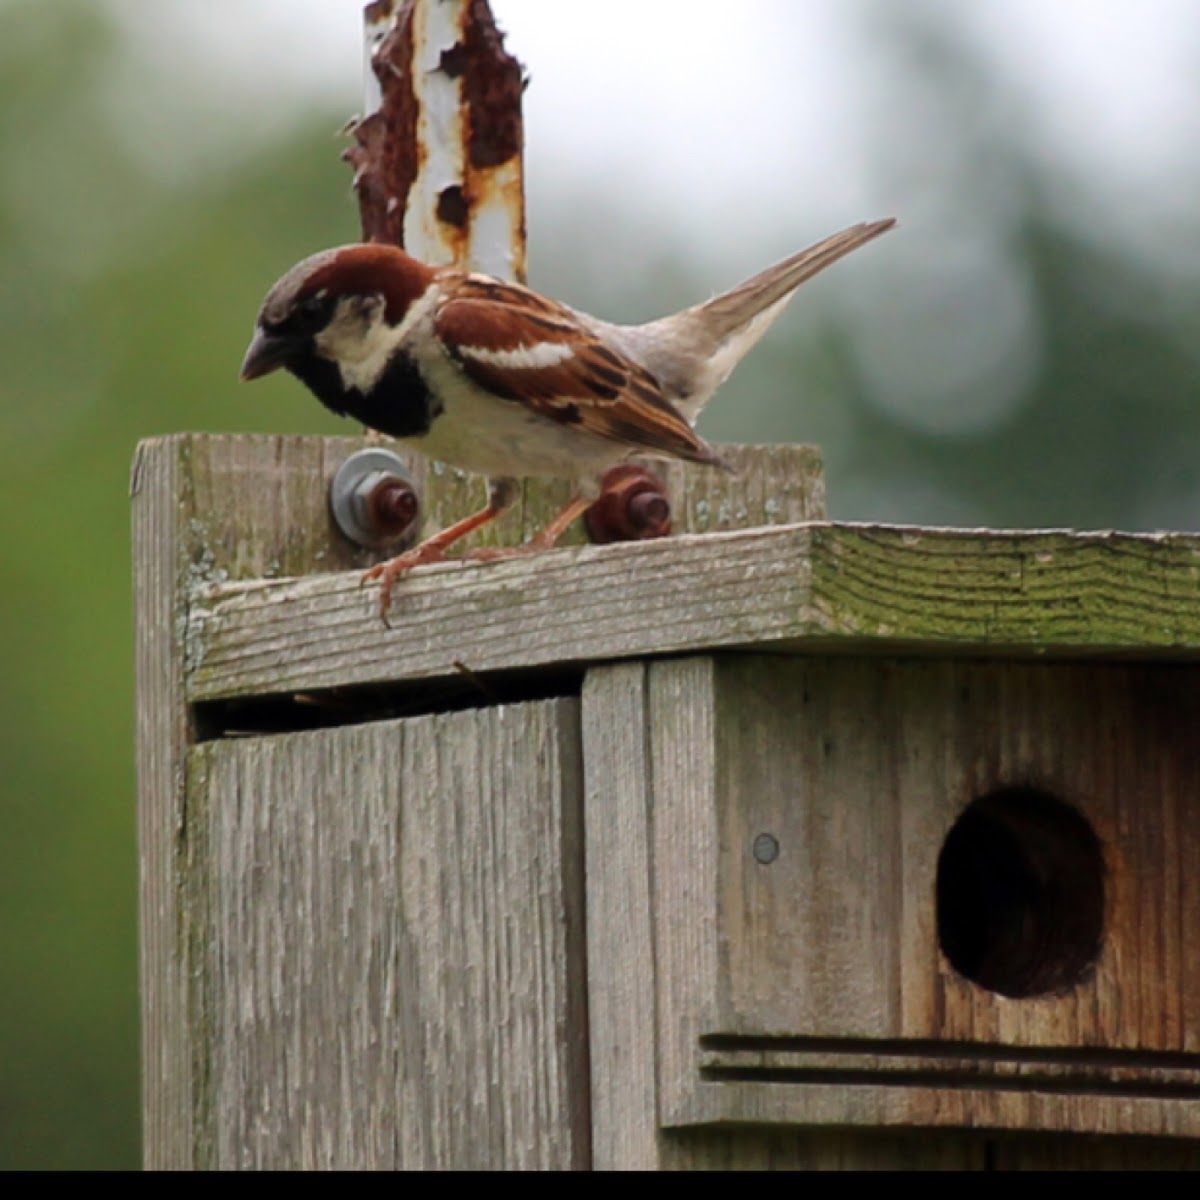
[908, 894]
[386, 941]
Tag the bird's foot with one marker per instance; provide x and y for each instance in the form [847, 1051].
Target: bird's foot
[434, 550]
[391, 572]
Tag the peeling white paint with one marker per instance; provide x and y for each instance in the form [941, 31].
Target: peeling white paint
[494, 243]
[440, 128]
[497, 238]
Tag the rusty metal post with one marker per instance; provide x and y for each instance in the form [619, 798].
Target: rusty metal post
[439, 153]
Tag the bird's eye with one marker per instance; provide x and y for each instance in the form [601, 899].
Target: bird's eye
[314, 312]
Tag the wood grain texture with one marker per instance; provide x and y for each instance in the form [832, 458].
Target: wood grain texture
[833, 1003]
[681, 711]
[391, 923]
[808, 588]
[212, 510]
[159, 539]
[349, 939]
[859, 768]
[620, 928]
[259, 505]
[945, 1150]
[630, 866]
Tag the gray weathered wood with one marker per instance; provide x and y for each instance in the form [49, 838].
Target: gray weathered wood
[159, 538]
[325, 984]
[797, 588]
[389, 929]
[829, 963]
[859, 769]
[214, 509]
[620, 927]
[258, 508]
[628, 867]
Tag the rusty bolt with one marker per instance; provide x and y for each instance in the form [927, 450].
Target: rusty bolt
[633, 506]
[392, 506]
[374, 501]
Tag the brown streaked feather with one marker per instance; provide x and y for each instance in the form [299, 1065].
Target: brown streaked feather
[595, 389]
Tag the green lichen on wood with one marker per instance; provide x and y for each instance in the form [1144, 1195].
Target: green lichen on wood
[255, 509]
[1050, 591]
[798, 589]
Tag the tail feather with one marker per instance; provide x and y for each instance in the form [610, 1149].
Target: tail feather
[693, 352]
[730, 312]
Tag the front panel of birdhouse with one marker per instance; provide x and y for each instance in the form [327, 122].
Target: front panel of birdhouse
[913, 893]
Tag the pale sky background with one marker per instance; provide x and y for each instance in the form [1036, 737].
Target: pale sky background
[682, 97]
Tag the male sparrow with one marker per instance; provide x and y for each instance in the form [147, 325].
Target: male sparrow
[491, 377]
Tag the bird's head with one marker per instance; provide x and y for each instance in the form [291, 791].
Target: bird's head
[344, 306]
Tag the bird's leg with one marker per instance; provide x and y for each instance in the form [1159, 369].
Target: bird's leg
[545, 540]
[502, 495]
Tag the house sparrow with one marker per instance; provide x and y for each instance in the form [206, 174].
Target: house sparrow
[491, 377]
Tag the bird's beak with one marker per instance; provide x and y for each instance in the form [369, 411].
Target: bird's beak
[268, 352]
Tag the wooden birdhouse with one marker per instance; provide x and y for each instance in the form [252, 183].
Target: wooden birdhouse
[773, 843]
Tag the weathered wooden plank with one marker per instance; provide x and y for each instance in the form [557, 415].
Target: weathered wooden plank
[893, 1109]
[213, 509]
[391, 954]
[258, 505]
[159, 538]
[811, 588]
[813, 988]
[620, 928]
[650, 829]
[685, 831]
[224, 521]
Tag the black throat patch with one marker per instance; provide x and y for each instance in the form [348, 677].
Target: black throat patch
[399, 405]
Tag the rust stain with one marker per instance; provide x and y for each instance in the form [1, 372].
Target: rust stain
[454, 208]
[454, 61]
[387, 154]
[389, 158]
[493, 84]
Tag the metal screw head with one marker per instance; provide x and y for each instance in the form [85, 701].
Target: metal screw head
[633, 506]
[766, 849]
[392, 506]
[374, 501]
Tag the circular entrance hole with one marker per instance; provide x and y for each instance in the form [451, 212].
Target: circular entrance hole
[1020, 894]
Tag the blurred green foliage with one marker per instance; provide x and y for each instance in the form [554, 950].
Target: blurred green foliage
[126, 300]
[136, 329]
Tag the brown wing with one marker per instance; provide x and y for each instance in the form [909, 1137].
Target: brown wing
[529, 350]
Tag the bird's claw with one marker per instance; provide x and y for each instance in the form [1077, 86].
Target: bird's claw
[388, 574]
[391, 572]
